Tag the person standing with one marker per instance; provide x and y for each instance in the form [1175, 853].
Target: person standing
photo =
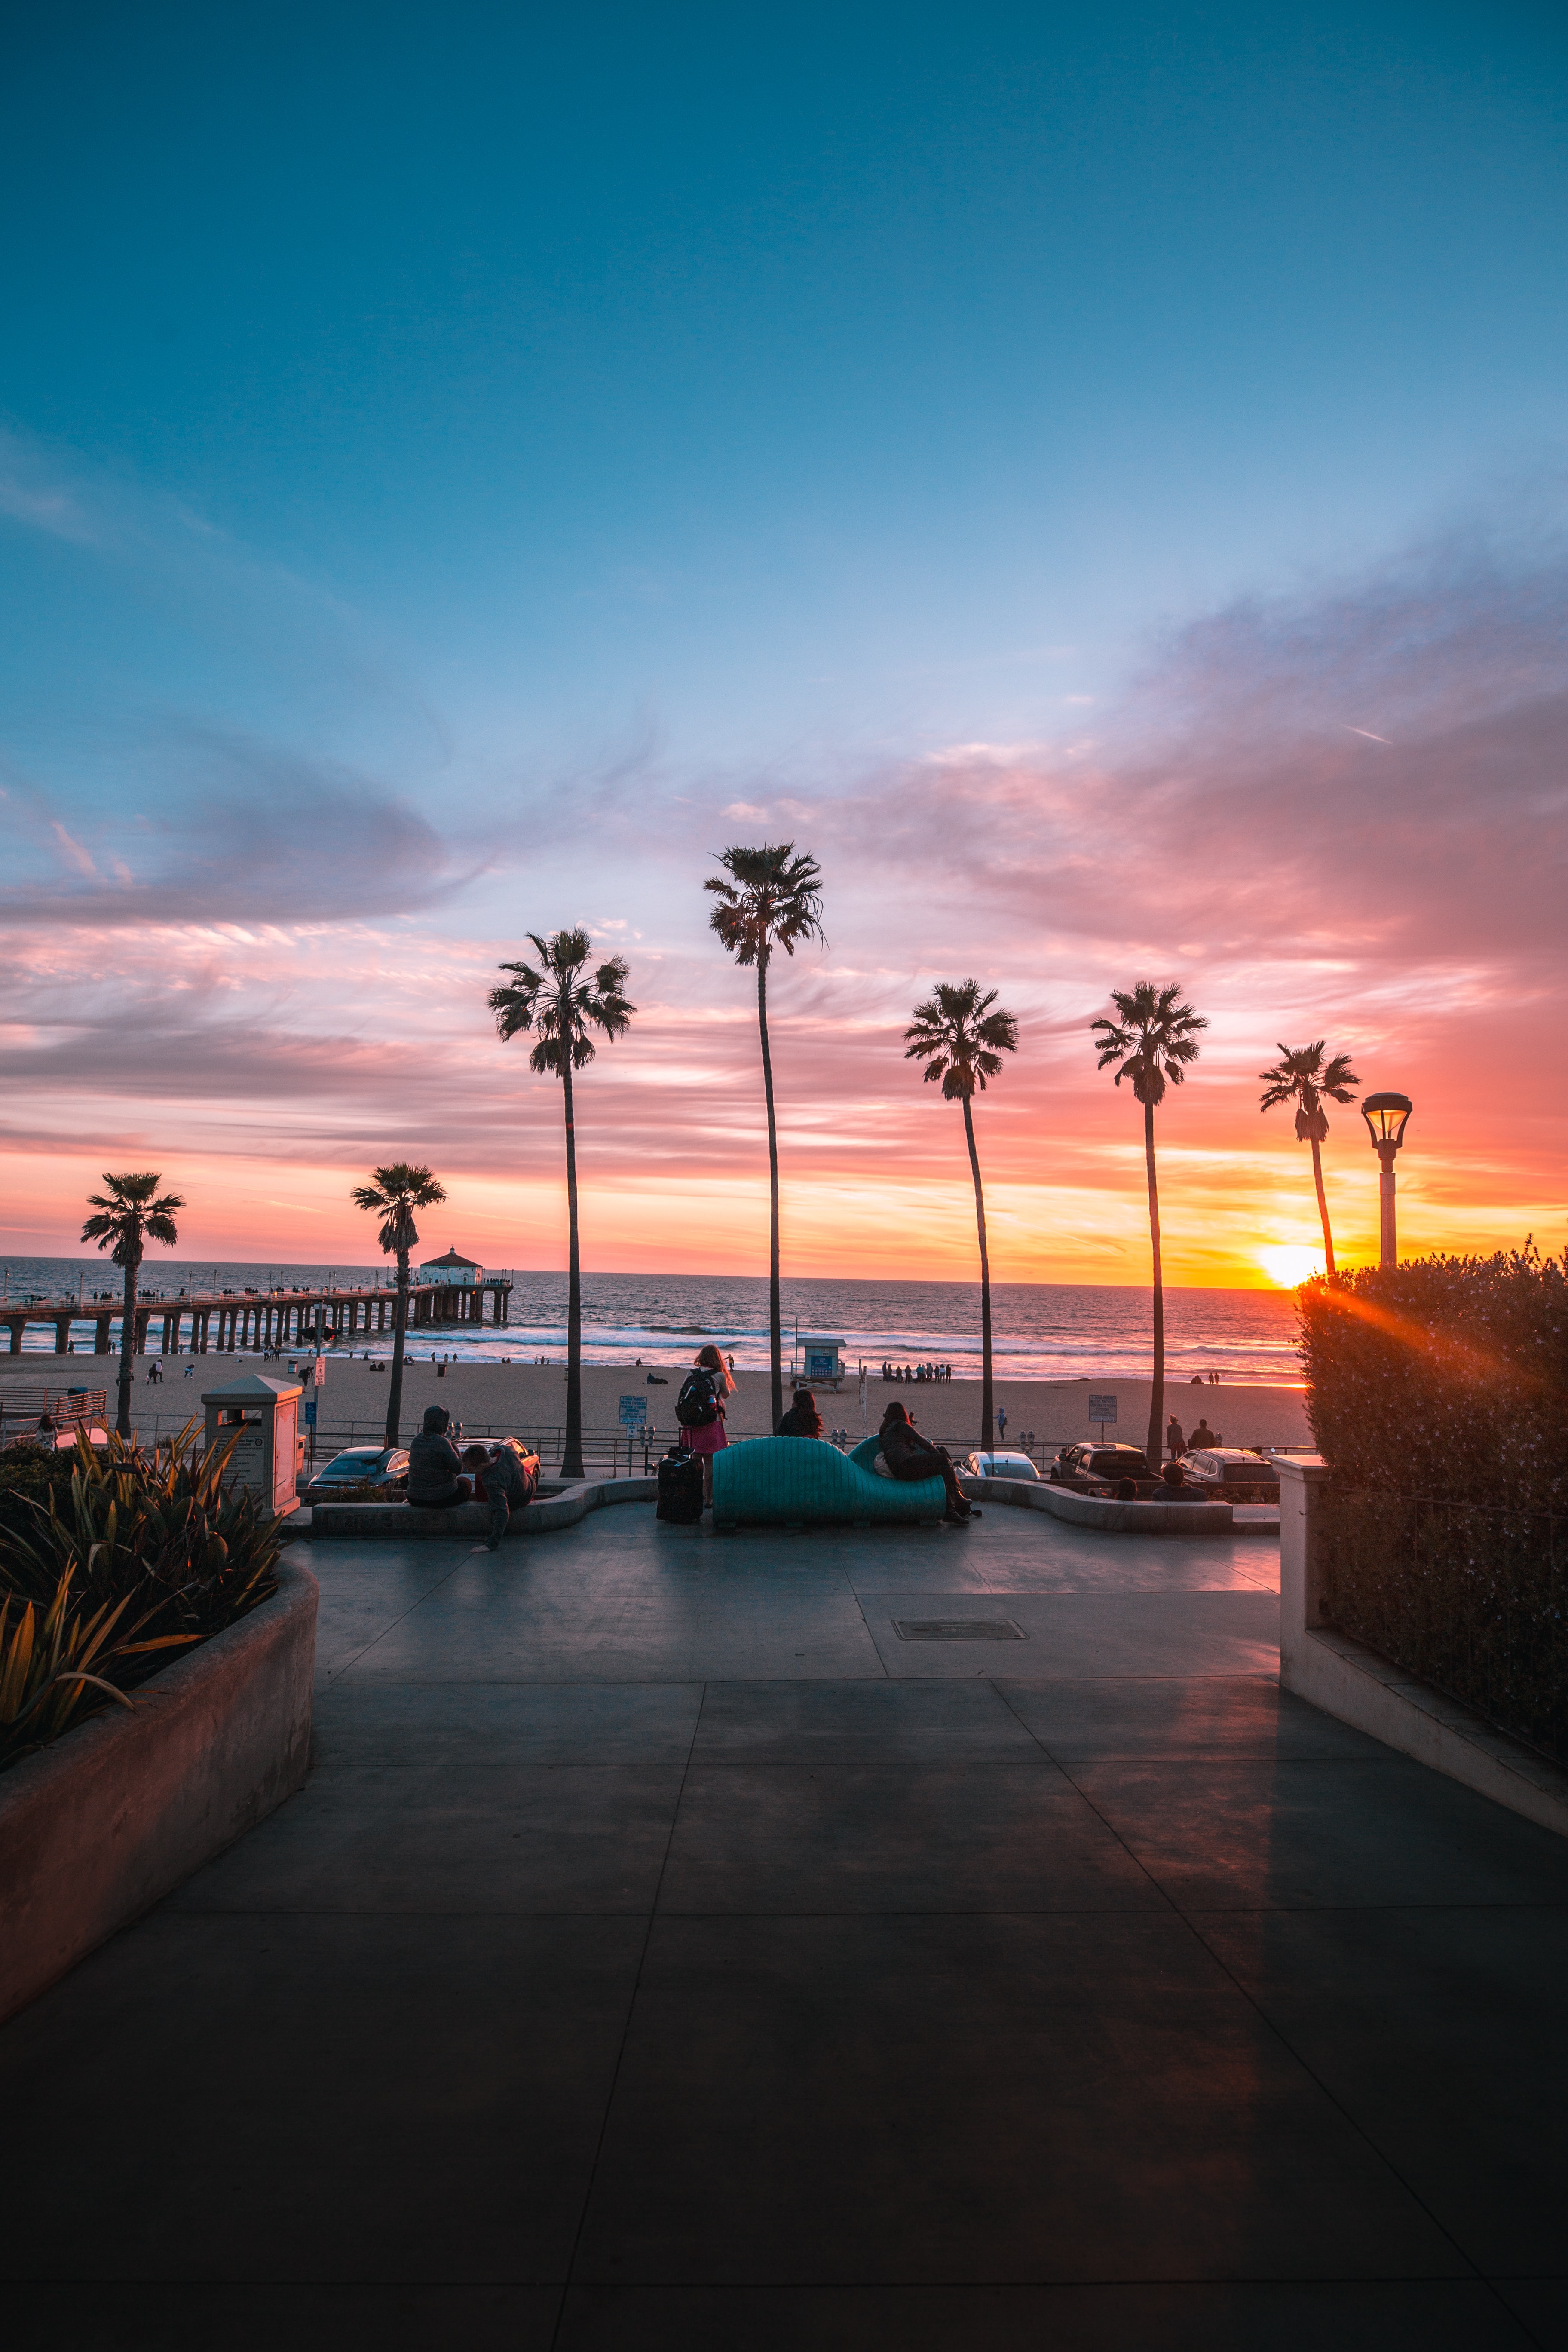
[699, 1409]
[1175, 1443]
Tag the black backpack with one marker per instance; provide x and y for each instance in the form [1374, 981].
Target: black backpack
[697, 1407]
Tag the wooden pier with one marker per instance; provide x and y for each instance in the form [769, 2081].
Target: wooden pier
[221, 1322]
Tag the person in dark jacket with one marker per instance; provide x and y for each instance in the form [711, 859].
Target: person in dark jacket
[802, 1420]
[908, 1455]
[500, 1480]
[436, 1480]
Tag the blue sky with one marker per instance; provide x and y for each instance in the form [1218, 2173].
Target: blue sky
[468, 435]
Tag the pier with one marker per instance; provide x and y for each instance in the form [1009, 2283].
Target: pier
[222, 1321]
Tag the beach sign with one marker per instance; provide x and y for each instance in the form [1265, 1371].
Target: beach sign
[1102, 1409]
[634, 1411]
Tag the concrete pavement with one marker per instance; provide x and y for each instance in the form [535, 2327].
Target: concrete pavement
[667, 1950]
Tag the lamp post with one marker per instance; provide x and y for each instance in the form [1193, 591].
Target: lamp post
[1387, 1116]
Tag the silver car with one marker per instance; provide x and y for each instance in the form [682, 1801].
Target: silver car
[997, 1465]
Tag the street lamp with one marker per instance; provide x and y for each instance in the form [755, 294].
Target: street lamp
[1386, 1116]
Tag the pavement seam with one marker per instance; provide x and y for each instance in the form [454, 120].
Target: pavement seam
[625, 2030]
[391, 1625]
[1277, 2031]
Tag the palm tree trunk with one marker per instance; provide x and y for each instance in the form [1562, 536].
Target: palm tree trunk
[775, 1312]
[572, 1456]
[1156, 1446]
[399, 1341]
[1323, 1207]
[987, 1436]
[127, 1348]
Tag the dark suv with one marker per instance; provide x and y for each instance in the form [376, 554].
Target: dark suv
[1099, 1469]
[1231, 1473]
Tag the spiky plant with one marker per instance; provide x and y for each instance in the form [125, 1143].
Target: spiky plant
[1151, 1042]
[129, 1217]
[559, 1000]
[768, 898]
[1303, 1077]
[392, 1194]
[962, 1041]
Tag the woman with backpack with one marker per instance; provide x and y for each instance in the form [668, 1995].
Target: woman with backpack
[700, 1409]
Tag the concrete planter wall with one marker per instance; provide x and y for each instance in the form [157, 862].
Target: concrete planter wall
[396, 1523]
[1346, 1679]
[1110, 1517]
[103, 1823]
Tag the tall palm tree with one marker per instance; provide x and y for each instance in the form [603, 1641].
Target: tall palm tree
[392, 1194]
[1303, 1078]
[961, 1042]
[129, 1217]
[562, 1003]
[1152, 1041]
[768, 899]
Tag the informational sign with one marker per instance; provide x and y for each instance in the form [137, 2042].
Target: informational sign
[247, 1460]
[634, 1411]
[822, 1364]
[1102, 1408]
[310, 1413]
[318, 1371]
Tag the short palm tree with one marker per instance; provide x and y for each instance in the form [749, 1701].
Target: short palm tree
[1303, 1077]
[1152, 1041]
[392, 1194]
[961, 1041]
[561, 1002]
[129, 1217]
[768, 899]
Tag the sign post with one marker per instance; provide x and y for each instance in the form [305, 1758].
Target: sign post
[633, 1417]
[1102, 1409]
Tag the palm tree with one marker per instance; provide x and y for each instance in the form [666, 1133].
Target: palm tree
[129, 1217]
[962, 1043]
[1303, 1078]
[1154, 1039]
[768, 899]
[392, 1194]
[562, 1002]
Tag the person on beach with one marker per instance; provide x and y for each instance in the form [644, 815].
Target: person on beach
[1202, 1434]
[705, 1438]
[910, 1455]
[1175, 1443]
[802, 1420]
[436, 1480]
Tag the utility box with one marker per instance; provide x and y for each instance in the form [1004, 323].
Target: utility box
[268, 1449]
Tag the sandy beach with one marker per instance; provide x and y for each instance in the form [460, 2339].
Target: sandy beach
[529, 1399]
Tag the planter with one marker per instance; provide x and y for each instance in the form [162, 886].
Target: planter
[104, 1822]
[398, 1523]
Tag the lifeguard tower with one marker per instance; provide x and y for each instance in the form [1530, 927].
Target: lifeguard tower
[817, 1363]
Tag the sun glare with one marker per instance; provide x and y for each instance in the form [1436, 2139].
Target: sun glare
[1290, 1264]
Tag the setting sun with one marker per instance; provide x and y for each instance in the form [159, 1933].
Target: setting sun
[1290, 1262]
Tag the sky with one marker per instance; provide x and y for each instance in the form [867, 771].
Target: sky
[1097, 480]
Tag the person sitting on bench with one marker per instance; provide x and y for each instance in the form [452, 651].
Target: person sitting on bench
[436, 1480]
[908, 1455]
[499, 1481]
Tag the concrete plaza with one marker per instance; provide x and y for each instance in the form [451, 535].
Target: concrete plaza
[678, 1944]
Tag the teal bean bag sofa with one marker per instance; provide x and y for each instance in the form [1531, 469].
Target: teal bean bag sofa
[768, 1481]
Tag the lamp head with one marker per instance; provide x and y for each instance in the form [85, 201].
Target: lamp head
[1387, 1116]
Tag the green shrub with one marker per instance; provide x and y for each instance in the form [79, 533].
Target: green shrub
[1438, 1395]
[140, 1552]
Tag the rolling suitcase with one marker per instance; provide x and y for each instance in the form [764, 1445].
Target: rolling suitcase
[680, 1488]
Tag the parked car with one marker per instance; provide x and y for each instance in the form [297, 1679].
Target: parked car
[1099, 1469]
[1232, 1473]
[997, 1466]
[362, 1465]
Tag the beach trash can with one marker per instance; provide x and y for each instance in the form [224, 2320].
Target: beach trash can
[269, 1448]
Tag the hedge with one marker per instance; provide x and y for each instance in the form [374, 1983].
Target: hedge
[1437, 1391]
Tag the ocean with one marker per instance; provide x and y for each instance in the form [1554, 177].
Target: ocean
[1043, 1330]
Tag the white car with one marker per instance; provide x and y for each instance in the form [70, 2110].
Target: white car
[998, 1466]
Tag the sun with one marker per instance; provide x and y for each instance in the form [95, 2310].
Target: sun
[1290, 1262]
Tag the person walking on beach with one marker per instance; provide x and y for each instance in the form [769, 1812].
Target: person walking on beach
[700, 1409]
[1175, 1443]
